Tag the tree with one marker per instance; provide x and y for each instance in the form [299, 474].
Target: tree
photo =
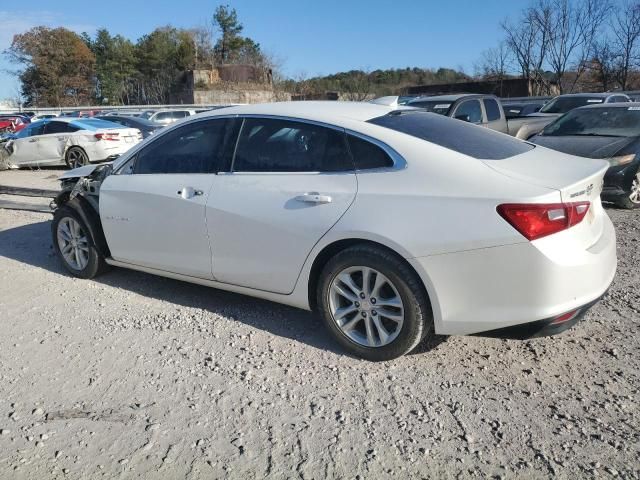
[115, 66]
[625, 26]
[232, 47]
[570, 31]
[57, 67]
[526, 39]
[604, 65]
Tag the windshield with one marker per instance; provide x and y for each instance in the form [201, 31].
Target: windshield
[461, 137]
[566, 104]
[610, 122]
[440, 107]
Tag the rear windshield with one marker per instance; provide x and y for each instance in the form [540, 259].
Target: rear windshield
[456, 135]
[95, 124]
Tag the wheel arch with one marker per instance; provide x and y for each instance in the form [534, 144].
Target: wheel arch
[91, 218]
[335, 247]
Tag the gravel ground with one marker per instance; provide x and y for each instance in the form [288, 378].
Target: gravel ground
[134, 376]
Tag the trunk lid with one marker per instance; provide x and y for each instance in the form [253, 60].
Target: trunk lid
[577, 179]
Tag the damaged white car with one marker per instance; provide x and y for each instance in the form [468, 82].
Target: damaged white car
[392, 224]
[69, 141]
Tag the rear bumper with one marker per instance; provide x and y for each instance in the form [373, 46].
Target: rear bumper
[495, 288]
[541, 328]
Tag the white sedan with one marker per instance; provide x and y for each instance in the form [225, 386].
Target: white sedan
[394, 225]
[70, 141]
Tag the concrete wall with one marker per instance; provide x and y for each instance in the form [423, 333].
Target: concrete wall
[220, 97]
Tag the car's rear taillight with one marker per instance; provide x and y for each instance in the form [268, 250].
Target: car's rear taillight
[535, 220]
[107, 136]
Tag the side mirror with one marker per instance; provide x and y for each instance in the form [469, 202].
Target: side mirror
[464, 117]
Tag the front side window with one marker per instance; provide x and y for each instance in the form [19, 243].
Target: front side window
[195, 148]
[469, 111]
[32, 130]
[273, 145]
[179, 114]
[492, 109]
[164, 116]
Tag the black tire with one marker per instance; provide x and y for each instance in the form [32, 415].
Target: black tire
[95, 261]
[418, 319]
[626, 202]
[76, 157]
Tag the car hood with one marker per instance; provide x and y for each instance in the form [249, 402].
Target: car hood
[83, 171]
[581, 146]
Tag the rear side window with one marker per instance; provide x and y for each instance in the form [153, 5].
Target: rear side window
[199, 147]
[180, 114]
[460, 137]
[367, 155]
[492, 109]
[272, 145]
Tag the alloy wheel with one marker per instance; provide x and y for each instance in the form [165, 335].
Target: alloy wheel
[77, 158]
[73, 243]
[366, 306]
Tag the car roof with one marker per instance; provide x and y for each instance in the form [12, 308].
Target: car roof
[448, 98]
[321, 111]
[634, 105]
[593, 95]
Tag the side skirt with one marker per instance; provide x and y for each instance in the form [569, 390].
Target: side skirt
[273, 297]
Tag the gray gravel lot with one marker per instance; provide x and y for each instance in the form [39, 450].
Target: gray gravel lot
[134, 376]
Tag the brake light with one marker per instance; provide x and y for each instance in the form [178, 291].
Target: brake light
[534, 220]
[110, 136]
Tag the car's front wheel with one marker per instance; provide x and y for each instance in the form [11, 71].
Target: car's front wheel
[74, 244]
[76, 157]
[373, 303]
[632, 198]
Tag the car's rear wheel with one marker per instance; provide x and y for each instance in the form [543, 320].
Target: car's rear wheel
[74, 244]
[632, 198]
[373, 303]
[76, 157]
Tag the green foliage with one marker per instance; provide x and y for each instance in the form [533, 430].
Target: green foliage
[58, 67]
[232, 47]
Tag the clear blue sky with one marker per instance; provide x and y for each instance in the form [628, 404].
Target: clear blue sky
[310, 36]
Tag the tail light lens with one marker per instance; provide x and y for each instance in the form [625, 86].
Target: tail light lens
[534, 220]
[110, 136]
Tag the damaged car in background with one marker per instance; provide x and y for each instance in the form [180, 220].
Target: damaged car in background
[68, 141]
[393, 224]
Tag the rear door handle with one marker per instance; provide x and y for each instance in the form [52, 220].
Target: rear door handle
[189, 192]
[313, 197]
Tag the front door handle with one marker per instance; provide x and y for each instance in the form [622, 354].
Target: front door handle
[33, 140]
[313, 197]
[189, 192]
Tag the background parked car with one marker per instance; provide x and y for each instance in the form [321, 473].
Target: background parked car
[167, 116]
[12, 123]
[145, 126]
[608, 131]
[70, 141]
[44, 116]
[514, 110]
[484, 110]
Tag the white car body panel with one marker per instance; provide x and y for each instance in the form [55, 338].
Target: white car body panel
[438, 212]
[261, 233]
[135, 211]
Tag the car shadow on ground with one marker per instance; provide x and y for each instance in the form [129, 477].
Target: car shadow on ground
[31, 244]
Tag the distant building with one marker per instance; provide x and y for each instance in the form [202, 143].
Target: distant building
[508, 87]
[228, 84]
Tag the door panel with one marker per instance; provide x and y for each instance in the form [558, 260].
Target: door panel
[262, 227]
[147, 222]
[25, 150]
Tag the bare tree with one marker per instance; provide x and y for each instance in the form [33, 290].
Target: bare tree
[571, 29]
[527, 42]
[604, 65]
[625, 26]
